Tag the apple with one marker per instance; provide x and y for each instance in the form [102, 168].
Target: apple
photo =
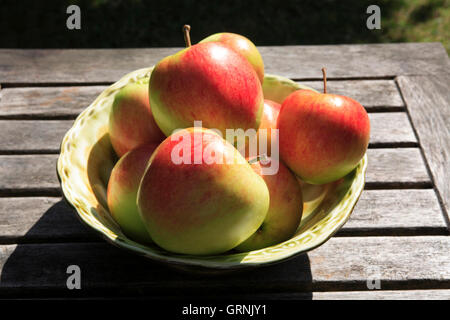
[122, 192]
[268, 122]
[285, 209]
[322, 136]
[131, 122]
[243, 46]
[199, 196]
[207, 82]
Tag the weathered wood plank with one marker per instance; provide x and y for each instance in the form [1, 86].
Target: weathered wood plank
[396, 167]
[44, 136]
[378, 212]
[46, 102]
[356, 61]
[28, 174]
[396, 212]
[36, 136]
[298, 62]
[68, 102]
[372, 94]
[428, 103]
[340, 264]
[391, 129]
[36, 219]
[384, 295]
[430, 294]
[75, 66]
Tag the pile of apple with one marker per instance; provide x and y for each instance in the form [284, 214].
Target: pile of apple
[190, 191]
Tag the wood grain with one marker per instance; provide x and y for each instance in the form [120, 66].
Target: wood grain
[428, 103]
[40, 219]
[355, 61]
[374, 95]
[429, 294]
[36, 174]
[28, 174]
[297, 62]
[391, 129]
[36, 136]
[45, 136]
[68, 102]
[384, 295]
[340, 264]
[396, 167]
[46, 102]
[378, 212]
[396, 212]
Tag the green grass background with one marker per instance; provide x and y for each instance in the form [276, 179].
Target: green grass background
[139, 23]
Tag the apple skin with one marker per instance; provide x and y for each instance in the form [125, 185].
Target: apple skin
[131, 122]
[201, 209]
[243, 46]
[122, 192]
[322, 136]
[270, 115]
[268, 121]
[285, 210]
[207, 82]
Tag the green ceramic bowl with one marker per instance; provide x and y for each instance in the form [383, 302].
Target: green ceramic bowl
[87, 159]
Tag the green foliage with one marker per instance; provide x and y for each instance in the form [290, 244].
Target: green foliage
[419, 20]
[139, 23]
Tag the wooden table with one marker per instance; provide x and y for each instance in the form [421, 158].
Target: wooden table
[398, 233]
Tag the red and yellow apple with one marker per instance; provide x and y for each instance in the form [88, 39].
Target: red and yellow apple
[268, 122]
[131, 122]
[122, 192]
[285, 209]
[199, 195]
[322, 137]
[206, 82]
[243, 46]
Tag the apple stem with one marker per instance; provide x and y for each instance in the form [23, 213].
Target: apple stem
[258, 158]
[324, 72]
[187, 37]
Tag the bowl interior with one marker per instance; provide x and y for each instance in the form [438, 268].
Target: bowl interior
[87, 158]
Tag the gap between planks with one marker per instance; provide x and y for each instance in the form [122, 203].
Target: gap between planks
[10, 85]
[381, 145]
[52, 84]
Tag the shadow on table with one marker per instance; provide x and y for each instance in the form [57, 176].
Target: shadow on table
[39, 264]
[37, 267]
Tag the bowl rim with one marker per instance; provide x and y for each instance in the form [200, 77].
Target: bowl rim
[208, 262]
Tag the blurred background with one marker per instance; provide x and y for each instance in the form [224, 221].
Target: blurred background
[140, 23]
